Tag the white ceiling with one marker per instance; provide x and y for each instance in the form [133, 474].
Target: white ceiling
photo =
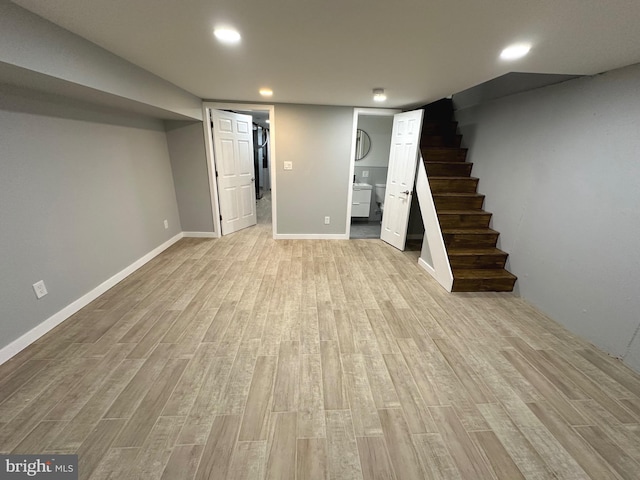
[334, 52]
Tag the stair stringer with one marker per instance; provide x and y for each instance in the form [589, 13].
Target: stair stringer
[433, 240]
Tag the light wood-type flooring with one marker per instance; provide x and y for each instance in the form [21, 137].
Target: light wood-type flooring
[249, 358]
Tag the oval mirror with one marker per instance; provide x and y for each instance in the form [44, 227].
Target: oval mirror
[363, 144]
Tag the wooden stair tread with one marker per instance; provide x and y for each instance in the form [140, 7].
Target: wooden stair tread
[447, 169]
[465, 218]
[475, 257]
[448, 149]
[446, 163]
[485, 273]
[468, 231]
[482, 280]
[447, 154]
[431, 123]
[463, 212]
[438, 140]
[472, 251]
[455, 183]
[439, 177]
[457, 194]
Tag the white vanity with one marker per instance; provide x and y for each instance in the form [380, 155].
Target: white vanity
[361, 200]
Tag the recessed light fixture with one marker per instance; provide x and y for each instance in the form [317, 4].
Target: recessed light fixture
[267, 121]
[379, 95]
[266, 92]
[227, 35]
[515, 51]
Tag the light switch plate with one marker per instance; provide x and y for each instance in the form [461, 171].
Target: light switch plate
[365, 173]
[288, 165]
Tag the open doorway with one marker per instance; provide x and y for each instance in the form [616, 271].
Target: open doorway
[369, 166]
[371, 153]
[262, 132]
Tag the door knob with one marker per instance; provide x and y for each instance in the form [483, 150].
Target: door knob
[253, 179]
[406, 192]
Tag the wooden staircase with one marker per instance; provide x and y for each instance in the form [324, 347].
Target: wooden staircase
[477, 265]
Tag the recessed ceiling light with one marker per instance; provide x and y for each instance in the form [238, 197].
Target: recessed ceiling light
[266, 92]
[515, 51]
[267, 121]
[227, 35]
[379, 95]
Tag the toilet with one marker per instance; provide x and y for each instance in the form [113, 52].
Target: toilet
[379, 193]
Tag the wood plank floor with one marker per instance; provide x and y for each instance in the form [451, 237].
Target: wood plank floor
[249, 358]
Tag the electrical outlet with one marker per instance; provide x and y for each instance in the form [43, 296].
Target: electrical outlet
[40, 289]
[327, 220]
[365, 173]
[166, 224]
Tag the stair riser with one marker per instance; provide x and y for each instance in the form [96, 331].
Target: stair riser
[466, 185]
[458, 203]
[470, 239]
[444, 155]
[477, 261]
[439, 141]
[438, 128]
[483, 285]
[464, 221]
[459, 169]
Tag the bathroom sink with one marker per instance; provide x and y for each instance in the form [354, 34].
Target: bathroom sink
[362, 186]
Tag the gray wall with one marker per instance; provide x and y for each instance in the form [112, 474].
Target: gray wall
[317, 139]
[561, 171]
[36, 45]
[190, 175]
[80, 200]
[379, 130]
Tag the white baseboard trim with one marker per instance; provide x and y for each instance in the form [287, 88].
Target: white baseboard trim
[200, 234]
[311, 236]
[56, 319]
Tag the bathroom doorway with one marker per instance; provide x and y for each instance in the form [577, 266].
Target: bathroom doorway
[369, 165]
[368, 178]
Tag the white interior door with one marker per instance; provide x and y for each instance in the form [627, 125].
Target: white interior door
[403, 157]
[233, 151]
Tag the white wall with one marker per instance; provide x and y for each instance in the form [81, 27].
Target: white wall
[80, 200]
[561, 171]
[317, 140]
[190, 175]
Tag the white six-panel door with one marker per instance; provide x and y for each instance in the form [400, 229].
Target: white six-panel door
[233, 150]
[403, 157]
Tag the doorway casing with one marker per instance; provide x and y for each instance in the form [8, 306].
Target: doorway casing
[211, 165]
